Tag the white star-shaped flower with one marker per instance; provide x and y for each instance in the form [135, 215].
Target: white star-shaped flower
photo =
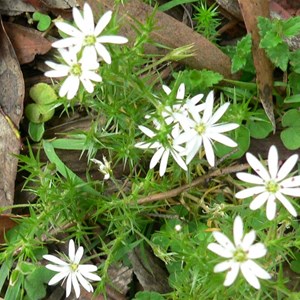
[271, 184]
[104, 167]
[204, 129]
[183, 106]
[82, 70]
[239, 255]
[163, 149]
[87, 36]
[72, 270]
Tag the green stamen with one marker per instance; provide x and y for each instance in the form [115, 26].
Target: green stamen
[200, 128]
[240, 255]
[272, 186]
[76, 70]
[74, 267]
[89, 40]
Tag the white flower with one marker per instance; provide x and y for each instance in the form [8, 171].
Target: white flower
[271, 184]
[74, 272]
[76, 71]
[203, 129]
[88, 36]
[163, 150]
[239, 255]
[171, 113]
[104, 167]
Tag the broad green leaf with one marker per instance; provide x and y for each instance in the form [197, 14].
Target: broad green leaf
[264, 25]
[295, 60]
[69, 144]
[44, 21]
[291, 135]
[294, 79]
[259, 125]
[292, 99]
[279, 55]
[148, 296]
[295, 264]
[174, 3]
[242, 136]
[36, 131]
[42, 93]
[4, 271]
[291, 27]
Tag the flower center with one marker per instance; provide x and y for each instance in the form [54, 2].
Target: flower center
[272, 186]
[74, 267]
[76, 70]
[200, 128]
[240, 255]
[89, 40]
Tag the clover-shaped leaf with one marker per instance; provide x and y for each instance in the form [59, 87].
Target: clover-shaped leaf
[44, 21]
[291, 135]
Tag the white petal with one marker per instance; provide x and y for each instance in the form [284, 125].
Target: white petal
[209, 107]
[86, 285]
[164, 162]
[55, 260]
[78, 19]
[68, 42]
[287, 167]
[295, 192]
[71, 250]
[88, 19]
[86, 271]
[224, 241]
[222, 139]
[287, 204]
[248, 240]
[247, 271]
[193, 148]
[75, 285]
[196, 99]
[219, 128]
[68, 29]
[223, 266]
[181, 91]
[185, 137]
[87, 84]
[93, 76]
[219, 250]
[156, 157]
[219, 113]
[257, 250]
[57, 278]
[103, 53]
[102, 23]
[259, 201]
[78, 255]
[271, 208]
[238, 230]
[257, 166]
[112, 39]
[166, 89]
[58, 269]
[257, 270]
[250, 178]
[250, 192]
[69, 285]
[273, 161]
[179, 160]
[147, 131]
[291, 182]
[209, 151]
[232, 274]
[89, 58]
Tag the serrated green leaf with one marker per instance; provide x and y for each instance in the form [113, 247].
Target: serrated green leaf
[291, 27]
[294, 79]
[264, 24]
[270, 40]
[279, 55]
[243, 54]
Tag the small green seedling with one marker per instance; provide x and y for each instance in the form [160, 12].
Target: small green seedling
[44, 21]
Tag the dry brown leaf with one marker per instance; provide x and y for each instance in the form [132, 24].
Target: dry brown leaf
[11, 104]
[169, 32]
[27, 42]
[264, 68]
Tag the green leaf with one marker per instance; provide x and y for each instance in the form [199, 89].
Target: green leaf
[44, 21]
[243, 53]
[15, 281]
[42, 93]
[38, 113]
[35, 283]
[242, 136]
[264, 25]
[259, 125]
[279, 55]
[4, 271]
[295, 60]
[291, 27]
[196, 80]
[295, 264]
[148, 296]
[69, 144]
[292, 99]
[294, 79]
[174, 3]
[291, 135]
[36, 131]
[270, 40]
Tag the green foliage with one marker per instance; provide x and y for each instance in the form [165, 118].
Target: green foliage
[259, 125]
[44, 21]
[290, 136]
[148, 296]
[207, 20]
[174, 3]
[242, 58]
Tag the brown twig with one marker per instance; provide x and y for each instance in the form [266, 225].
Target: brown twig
[180, 189]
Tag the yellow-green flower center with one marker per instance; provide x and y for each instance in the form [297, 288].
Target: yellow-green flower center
[76, 70]
[240, 255]
[272, 186]
[89, 40]
[74, 267]
[200, 128]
